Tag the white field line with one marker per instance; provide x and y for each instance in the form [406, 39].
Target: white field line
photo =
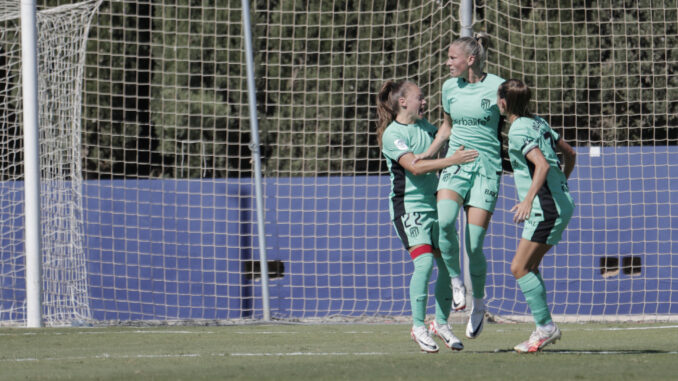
[146, 332]
[629, 352]
[633, 328]
[285, 354]
[106, 356]
[573, 327]
[160, 332]
[106, 333]
[300, 332]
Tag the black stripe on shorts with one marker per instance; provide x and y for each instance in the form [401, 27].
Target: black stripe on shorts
[548, 206]
[400, 229]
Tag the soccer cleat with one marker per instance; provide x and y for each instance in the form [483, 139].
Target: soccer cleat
[445, 333]
[475, 323]
[538, 340]
[458, 297]
[421, 336]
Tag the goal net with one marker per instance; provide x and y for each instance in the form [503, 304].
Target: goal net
[168, 219]
[603, 75]
[62, 34]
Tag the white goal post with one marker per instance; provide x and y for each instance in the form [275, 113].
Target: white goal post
[158, 181]
[52, 287]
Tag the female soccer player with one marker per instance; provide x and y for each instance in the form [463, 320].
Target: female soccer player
[545, 204]
[403, 132]
[472, 120]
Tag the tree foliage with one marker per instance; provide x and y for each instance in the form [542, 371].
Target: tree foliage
[166, 92]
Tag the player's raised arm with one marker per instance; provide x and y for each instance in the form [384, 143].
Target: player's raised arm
[440, 140]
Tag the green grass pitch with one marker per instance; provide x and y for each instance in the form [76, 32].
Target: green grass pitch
[638, 351]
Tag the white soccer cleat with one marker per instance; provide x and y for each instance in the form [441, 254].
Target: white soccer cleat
[421, 336]
[475, 323]
[445, 333]
[538, 340]
[458, 297]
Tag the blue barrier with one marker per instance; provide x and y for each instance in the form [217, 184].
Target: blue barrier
[185, 249]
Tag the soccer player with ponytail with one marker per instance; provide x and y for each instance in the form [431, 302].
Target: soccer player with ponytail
[472, 120]
[545, 204]
[402, 133]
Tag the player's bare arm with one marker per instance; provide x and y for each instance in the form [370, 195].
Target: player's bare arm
[442, 135]
[569, 157]
[420, 167]
[541, 169]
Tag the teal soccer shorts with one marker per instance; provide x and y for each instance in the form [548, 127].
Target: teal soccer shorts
[549, 217]
[477, 189]
[417, 228]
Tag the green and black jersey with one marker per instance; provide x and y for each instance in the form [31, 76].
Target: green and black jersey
[409, 193]
[525, 135]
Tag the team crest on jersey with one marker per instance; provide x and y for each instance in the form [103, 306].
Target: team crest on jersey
[414, 231]
[485, 104]
[400, 144]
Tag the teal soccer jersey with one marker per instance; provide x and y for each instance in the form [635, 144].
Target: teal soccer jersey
[553, 206]
[409, 193]
[525, 135]
[475, 119]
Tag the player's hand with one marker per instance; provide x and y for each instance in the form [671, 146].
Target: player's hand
[418, 157]
[462, 155]
[522, 211]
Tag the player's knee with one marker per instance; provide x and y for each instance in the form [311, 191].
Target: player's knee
[448, 211]
[518, 270]
[446, 221]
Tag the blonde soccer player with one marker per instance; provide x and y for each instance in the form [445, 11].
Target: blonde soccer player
[472, 120]
[545, 206]
[402, 132]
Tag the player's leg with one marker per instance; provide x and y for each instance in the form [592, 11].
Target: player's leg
[528, 257]
[478, 221]
[443, 292]
[415, 231]
[443, 295]
[423, 265]
[455, 183]
[449, 203]
[480, 203]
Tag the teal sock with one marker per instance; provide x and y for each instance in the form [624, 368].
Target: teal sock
[448, 240]
[475, 236]
[423, 265]
[535, 295]
[443, 292]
